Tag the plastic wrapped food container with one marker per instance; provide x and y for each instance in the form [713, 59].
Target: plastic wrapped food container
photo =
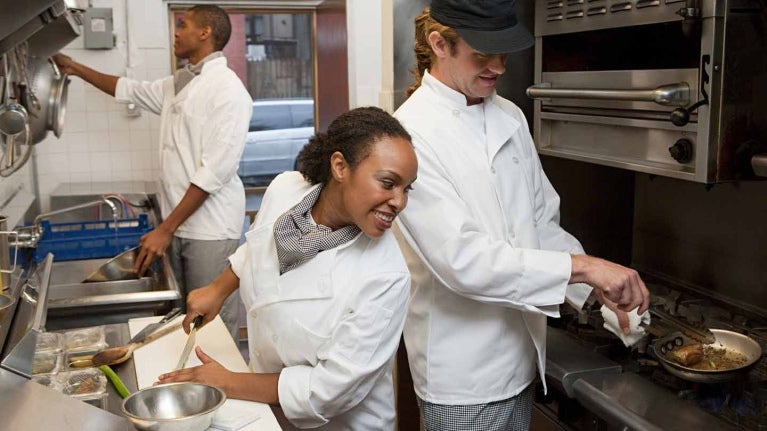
[49, 342]
[89, 385]
[47, 363]
[84, 339]
[86, 383]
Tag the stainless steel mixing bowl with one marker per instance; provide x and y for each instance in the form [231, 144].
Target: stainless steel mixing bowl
[173, 407]
[119, 267]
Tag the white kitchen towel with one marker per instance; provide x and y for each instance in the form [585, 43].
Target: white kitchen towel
[637, 332]
[234, 414]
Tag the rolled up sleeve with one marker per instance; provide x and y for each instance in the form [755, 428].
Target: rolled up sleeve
[223, 139]
[239, 259]
[147, 95]
[352, 361]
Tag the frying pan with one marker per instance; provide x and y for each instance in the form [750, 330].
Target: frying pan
[725, 339]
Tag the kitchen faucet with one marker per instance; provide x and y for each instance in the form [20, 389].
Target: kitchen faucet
[30, 235]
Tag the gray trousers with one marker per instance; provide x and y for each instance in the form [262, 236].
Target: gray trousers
[196, 263]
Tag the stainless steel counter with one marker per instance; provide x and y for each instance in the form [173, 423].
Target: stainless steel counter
[622, 399]
[25, 405]
[630, 400]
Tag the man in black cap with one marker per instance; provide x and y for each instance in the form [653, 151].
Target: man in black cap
[481, 235]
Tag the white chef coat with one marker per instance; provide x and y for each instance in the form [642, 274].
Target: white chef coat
[202, 136]
[331, 326]
[488, 258]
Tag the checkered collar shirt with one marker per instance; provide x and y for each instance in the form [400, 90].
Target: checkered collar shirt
[298, 239]
[184, 76]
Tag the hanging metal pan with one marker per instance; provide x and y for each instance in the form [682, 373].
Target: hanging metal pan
[45, 99]
[727, 340]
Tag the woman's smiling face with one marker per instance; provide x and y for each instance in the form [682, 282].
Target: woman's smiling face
[375, 191]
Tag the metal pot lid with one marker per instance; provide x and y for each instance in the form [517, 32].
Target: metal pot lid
[13, 119]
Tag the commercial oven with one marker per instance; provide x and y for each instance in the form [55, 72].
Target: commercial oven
[668, 87]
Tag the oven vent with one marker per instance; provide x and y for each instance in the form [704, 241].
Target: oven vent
[647, 3]
[620, 7]
[554, 17]
[597, 10]
[554, 4]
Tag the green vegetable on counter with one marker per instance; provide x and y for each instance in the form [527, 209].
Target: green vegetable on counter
[116, 382]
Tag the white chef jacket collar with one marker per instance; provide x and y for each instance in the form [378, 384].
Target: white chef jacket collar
[504, 125]
[213, 60]
[456, 98]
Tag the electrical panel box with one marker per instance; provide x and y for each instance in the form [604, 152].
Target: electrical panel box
[98, 28]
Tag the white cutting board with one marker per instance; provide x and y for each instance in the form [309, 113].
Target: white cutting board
[162, 355]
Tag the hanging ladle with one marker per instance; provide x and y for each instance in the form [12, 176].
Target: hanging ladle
[13, 119]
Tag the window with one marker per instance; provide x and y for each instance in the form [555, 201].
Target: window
[303, 115]
[273, 54]
[270, 117]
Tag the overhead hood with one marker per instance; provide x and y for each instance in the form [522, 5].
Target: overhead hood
[47, 25]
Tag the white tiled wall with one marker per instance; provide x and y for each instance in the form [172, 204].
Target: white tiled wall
[100, 141]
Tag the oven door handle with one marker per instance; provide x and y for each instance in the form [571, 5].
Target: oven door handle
[666, 95]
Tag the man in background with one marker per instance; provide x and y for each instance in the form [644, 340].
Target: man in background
[488, 258]
[204, 117]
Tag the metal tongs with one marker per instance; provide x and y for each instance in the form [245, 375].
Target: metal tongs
[700, 334]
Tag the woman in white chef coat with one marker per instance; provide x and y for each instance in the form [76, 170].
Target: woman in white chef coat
[323, 281]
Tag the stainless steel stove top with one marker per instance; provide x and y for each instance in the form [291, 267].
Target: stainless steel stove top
[628, 387]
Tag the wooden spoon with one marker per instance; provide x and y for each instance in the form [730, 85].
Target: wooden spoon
[118, 355]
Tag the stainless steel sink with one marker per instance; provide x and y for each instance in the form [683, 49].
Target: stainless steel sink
[72, 303]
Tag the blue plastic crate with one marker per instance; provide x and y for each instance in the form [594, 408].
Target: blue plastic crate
[91, 239]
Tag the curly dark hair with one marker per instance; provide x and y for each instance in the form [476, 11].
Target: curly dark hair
[218, 21]
[352, 134]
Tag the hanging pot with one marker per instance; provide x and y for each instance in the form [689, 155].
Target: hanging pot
[45, 98]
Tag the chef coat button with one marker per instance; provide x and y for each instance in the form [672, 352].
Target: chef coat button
[492, 170]
[456, 112]
[253, 314]
[516, 160]
[256, 353]
[274, 337]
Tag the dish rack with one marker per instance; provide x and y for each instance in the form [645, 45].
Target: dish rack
[89, 240]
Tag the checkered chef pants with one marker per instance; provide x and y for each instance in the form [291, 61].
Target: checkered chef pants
[511, 414]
